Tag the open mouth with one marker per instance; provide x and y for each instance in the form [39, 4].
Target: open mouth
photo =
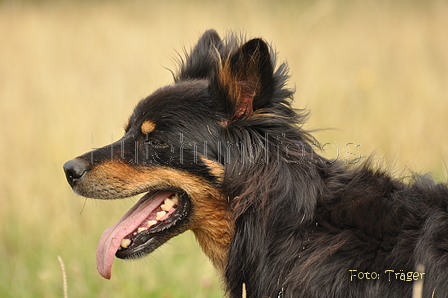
[148, 224]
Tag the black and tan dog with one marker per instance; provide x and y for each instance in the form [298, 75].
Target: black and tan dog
[221, 152]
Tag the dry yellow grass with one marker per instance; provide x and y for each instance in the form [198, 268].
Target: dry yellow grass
[70, 74]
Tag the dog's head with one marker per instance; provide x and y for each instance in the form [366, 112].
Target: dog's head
[184, 146]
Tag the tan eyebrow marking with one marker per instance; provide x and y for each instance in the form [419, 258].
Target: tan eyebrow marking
[148, 126]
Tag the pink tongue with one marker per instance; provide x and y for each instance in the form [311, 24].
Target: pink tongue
[111, 239]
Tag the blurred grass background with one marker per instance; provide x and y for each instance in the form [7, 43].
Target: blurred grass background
[375, 72]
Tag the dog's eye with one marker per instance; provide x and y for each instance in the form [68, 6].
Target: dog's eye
[157, 144]
[161, 145]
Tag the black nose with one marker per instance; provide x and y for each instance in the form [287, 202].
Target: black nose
[74, 169]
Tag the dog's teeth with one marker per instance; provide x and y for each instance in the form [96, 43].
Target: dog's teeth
[125, 243]
[141, 229]
[150, 223]
[160, 214]
[168, 203]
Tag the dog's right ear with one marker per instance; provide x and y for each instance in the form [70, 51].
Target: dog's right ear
[200, 63]
[245, 79]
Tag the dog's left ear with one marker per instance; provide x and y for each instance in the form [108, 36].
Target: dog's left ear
[245, 77]
[199, 64]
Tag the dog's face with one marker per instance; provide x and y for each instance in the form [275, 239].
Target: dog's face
[161, 156]
[172, 153]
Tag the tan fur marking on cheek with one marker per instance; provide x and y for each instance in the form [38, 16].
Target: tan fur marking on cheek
[209, 216]
[120, 178]
[148, 126]
[128, 177]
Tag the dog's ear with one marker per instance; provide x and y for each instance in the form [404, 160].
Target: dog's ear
[200, 63]
[246, 78]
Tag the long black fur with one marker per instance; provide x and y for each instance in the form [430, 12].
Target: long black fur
[303, 222]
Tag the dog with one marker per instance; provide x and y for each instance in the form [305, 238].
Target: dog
[222, 152]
